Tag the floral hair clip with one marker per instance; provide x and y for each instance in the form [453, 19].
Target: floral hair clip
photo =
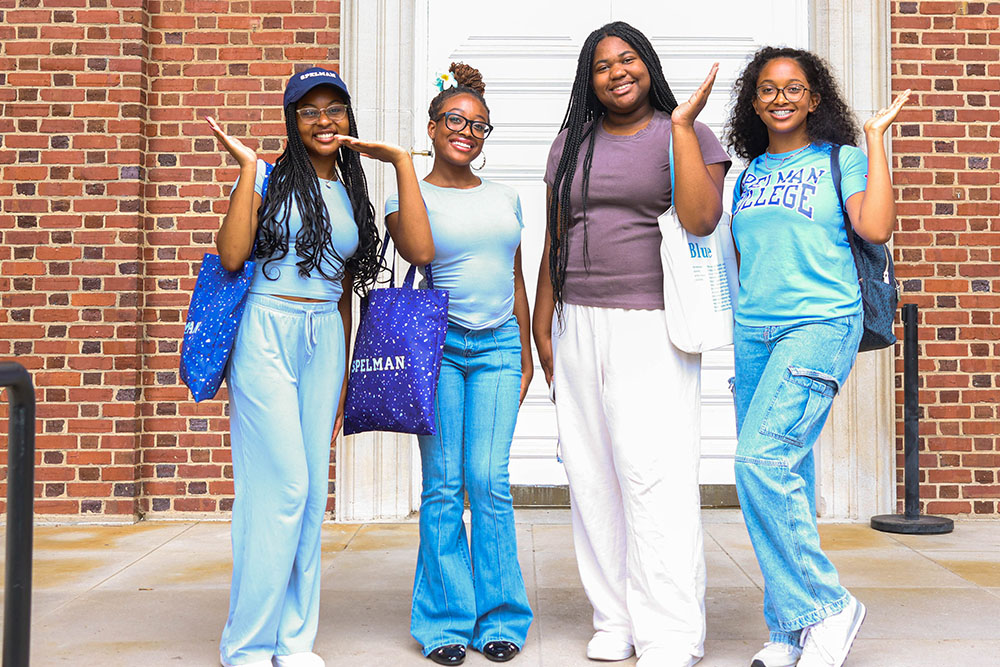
[445, 81]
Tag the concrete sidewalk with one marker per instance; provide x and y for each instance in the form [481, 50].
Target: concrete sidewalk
[156, 594]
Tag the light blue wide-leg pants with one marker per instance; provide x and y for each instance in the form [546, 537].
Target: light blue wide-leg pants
[284, 381]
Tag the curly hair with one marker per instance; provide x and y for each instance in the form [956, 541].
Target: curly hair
[831, 122]
[470, 82]
[583, 112]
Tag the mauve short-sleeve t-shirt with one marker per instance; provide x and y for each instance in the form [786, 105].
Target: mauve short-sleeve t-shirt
[629, 189]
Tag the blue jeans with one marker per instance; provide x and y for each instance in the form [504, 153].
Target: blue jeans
[458, 600]
[786, 378]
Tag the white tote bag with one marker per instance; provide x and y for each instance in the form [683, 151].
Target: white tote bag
[700, 281]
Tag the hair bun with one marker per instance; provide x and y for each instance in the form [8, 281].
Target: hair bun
[468, 76]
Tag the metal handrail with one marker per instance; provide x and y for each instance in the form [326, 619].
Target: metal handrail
[20, 513]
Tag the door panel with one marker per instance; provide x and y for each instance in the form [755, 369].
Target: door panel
[527, 52]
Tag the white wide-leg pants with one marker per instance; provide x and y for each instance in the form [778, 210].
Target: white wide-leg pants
[628, 409]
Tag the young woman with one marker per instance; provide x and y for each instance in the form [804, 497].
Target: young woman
[627, 402]
[316, 241]
[798, 325]
[485, 374]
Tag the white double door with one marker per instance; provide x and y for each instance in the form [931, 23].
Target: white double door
[527, 51]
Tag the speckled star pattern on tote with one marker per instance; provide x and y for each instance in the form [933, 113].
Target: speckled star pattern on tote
[216, 308]
[397, 359]
[213, 318]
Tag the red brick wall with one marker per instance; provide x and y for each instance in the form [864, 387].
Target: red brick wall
[112, 189]
[947, 175]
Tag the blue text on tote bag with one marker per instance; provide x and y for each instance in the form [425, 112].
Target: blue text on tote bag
[397, 359]
[212, 319]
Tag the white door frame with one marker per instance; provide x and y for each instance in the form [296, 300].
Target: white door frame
[377, 473]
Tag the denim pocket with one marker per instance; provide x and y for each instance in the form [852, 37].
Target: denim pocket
[800, 406]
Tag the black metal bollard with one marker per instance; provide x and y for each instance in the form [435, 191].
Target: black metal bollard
[911, 521]
[20, 513]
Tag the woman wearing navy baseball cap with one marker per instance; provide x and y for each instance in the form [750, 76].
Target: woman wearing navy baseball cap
[310, 227]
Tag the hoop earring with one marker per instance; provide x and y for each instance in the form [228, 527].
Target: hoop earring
[475, 168]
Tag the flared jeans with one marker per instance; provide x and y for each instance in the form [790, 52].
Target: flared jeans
[470, 591]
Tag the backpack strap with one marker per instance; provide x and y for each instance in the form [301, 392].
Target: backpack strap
[836, 175]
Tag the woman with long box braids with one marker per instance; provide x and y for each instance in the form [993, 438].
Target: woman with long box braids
[627, 401]
[470, 592]
[316, 243]
[798, 326]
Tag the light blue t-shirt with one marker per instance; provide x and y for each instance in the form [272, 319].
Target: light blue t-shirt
[282, 277]
[795, 262]
[476, 234]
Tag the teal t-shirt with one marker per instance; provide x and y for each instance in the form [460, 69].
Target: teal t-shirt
[281, 277]
[795, 261]
[476, 234]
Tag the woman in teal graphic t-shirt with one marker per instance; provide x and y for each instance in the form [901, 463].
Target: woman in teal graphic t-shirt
[798, 326]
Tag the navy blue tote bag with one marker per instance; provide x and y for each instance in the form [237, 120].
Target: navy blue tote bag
[397, 358]
[213, 317]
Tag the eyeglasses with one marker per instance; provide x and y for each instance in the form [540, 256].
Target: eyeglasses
[335, 112]
[793, 92]
[457, 123]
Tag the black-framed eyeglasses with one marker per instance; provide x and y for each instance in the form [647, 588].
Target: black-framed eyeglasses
[457, 122]
[793, 92]
[335, 112]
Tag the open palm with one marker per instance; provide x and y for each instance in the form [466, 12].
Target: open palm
[685, 113]
[883, 118]
[243, 155]
[373, 149]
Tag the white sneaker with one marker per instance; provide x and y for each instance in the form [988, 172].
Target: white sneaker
[662, 658]
[827, 643]
[305, 659]
[775, 654]
[608, 647]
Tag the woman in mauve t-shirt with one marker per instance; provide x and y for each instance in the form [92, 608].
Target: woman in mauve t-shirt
[627, 401]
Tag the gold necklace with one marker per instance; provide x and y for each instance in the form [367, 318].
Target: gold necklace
[767, 156]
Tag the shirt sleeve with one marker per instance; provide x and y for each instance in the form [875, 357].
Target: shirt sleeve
[853, 171]
[517, 210]
[555, 154]
[391, 205]
[711, 150]
[258, 184]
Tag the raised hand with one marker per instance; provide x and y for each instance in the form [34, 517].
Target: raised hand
[685, 113]
[883, 118]
[377, 151]
[243, 155]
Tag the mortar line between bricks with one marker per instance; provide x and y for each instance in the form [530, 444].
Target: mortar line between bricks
[117, 572]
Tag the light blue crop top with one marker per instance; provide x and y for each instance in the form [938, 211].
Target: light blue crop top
[476, 233]
[282, 276]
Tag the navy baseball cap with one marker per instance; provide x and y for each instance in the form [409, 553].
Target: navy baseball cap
[303, 82]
